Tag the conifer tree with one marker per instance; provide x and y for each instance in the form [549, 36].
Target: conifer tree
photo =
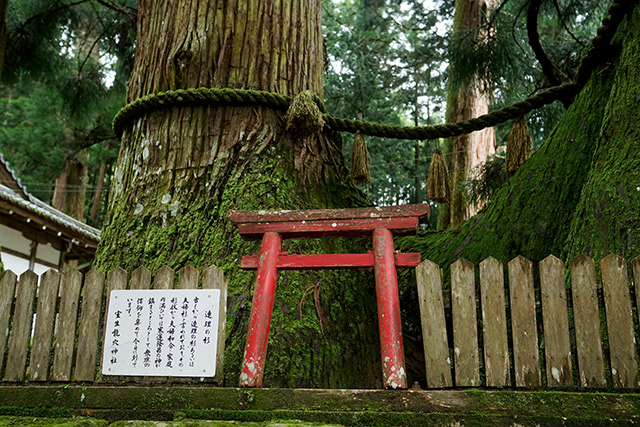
[465, 153]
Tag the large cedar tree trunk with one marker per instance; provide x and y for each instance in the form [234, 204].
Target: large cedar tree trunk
[181, 169]
[465, 153]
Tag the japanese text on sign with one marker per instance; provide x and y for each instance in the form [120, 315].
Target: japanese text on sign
[162, 332]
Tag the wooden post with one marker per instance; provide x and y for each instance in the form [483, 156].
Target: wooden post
[523, 323]
[65, 334]
[261, 308]
[7, 291]
[116, 279]
[617, 303]
[557, 343]
[586, 318]
[43, 331]
[391, 346]
[88, 328]
[465, 324]
[21, 327]
[437, 359]
[494, 324]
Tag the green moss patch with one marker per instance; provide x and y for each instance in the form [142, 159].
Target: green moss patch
[60, 422]
[342, 407]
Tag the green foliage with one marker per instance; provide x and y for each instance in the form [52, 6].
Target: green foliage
[498, 52]
[30, 135]
[61, 91]
[385, 65]
[388, 61]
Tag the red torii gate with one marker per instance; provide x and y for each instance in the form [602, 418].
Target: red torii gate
[273, 226]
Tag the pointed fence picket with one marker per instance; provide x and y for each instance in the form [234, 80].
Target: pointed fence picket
[66, 327]
[70, 312]
[523, 323]
[555, 323]
[88, 329]
[465, 327]
[434, 331]
[7, 291]
[494, 324]
[533, 330]
[586, 318]
[45, 320]
[21, 327]
[622, 342]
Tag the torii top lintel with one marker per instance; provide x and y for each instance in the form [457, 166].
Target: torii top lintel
[401, 220]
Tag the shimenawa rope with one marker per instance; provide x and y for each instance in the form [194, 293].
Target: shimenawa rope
[250, 97]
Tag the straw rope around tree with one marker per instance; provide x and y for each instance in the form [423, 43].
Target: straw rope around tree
[248, 97]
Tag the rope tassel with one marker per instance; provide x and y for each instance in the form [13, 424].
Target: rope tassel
[438, 183]
[304, 117]
[360, 162]
[518, 144]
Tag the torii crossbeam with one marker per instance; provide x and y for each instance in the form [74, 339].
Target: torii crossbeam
[274, 226]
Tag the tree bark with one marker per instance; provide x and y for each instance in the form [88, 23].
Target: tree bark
[76, 191]
[95, 210]
[57, 200]
[465, 153]
[70, 192]
[180, 170]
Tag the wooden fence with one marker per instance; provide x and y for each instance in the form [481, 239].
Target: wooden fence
[487, 335]
[504, 342]
[65, 343]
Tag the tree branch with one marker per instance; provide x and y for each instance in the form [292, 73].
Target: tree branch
[131, 13]
[565, 26]
[52, 10]
[553, 73]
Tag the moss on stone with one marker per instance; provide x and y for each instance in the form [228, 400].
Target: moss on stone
[113, 403]
[54, 421]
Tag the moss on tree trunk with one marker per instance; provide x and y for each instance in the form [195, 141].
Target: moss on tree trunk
[580, 192]
[607, 217]
[180, 170]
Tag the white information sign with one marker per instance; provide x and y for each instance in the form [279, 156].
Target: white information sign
[162, 332]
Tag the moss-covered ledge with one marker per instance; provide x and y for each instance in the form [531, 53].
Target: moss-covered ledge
[348, 407]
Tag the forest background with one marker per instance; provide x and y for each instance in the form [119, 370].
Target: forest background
[67, 64]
